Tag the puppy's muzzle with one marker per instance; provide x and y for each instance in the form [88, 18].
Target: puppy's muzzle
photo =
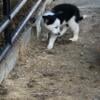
[58, 34]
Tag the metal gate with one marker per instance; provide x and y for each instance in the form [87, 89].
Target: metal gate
[8, 16]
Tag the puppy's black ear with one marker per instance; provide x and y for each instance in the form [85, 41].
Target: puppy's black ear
[45, 18]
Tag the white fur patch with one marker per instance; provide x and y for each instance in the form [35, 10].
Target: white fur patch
[62, 32]
[48, 13]
[75, 28]
[55, 27]
[52, 41]
[85, 16]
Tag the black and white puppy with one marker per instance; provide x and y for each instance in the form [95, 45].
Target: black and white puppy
[59, 19]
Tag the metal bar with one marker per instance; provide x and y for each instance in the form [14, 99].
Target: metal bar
[6, 7]
[14, 12]
[20, 5]
[6, 12]
[25, 21]
[16, 33]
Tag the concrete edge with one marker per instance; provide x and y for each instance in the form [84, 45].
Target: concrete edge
[13, 55]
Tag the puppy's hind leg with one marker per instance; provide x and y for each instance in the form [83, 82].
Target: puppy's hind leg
[75, 29]
[63, 31]
[52, 41]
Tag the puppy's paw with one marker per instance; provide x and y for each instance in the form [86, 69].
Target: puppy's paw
[49, 47]
[73, 39]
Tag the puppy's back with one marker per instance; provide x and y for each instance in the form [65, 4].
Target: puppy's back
[68, 8]
[67, 11]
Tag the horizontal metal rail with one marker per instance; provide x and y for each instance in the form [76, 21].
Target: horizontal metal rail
[6, 21]
[19, 28]
[25, 20]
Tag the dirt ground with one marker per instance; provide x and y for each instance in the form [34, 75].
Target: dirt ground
[70, 71]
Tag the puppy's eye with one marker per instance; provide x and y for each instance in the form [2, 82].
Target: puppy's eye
[56, 27]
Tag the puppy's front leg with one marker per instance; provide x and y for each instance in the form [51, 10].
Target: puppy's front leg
[52, 41]
[63, 31]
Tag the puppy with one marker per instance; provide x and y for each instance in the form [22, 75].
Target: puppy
[59, 19]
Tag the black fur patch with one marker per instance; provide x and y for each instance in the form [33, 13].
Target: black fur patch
[66, 12]
[49, 19]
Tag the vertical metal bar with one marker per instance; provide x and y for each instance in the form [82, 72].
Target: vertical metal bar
[6, 13]
[6, 7]
[18, 7]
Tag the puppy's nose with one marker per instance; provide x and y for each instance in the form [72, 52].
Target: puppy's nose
[58, 33]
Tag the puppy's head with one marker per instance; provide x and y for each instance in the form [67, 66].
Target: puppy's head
[51, 22]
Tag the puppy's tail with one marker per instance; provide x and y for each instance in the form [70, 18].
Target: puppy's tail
[80, 18]
[86, 16]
